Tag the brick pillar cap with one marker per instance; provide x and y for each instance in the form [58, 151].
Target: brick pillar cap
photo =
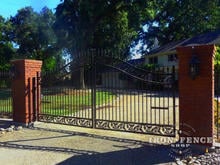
[27, 60]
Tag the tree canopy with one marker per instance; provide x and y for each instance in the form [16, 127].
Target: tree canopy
[106, 24]
[34, 36]
[6, 48]
[101, 24]
[180, 19]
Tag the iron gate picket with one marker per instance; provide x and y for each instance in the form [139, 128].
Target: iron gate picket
[98, 90]
[6, 76]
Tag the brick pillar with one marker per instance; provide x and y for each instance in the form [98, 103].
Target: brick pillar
[196, 96]
[22, 88]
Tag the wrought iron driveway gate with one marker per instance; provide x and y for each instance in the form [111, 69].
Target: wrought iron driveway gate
[101, 91]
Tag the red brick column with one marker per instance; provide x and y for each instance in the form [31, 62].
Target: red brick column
[196, 96]
[22, 89]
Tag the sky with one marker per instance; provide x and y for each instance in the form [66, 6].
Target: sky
[10, 7]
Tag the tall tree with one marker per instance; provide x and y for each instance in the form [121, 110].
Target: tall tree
[101, 23]
[106, 24]
[181, 19]
[34, 36]
[6, 48]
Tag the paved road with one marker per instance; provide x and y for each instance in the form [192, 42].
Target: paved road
[47, 144]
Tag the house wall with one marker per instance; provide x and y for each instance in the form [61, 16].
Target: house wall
[162, 60]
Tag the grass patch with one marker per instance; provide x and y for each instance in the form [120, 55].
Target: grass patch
[5, 101]
[217, 118]
[217, 112]
[59, 101]
[66, 102]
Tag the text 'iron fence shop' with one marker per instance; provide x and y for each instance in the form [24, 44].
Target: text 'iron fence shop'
[5, 94]
[99, 90]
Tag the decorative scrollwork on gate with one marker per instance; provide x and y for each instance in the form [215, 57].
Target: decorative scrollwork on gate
[6, 115]
[136, 127]
[66, 120]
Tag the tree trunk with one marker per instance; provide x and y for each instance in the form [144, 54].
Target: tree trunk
[82, 78]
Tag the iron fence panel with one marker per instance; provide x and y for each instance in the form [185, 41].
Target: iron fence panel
[99, 90]
[5, 94]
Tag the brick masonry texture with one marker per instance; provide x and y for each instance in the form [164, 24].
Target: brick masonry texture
[22, 89]
[196, 96]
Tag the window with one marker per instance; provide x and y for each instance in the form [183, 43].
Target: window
[172, 57]
[153, 60]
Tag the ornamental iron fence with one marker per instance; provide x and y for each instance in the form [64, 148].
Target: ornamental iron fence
[98, 89]
[5, 94]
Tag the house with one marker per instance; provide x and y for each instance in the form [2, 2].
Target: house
[166, 55]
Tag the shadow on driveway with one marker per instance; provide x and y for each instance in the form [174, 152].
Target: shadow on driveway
[129, 152]
[138, 156]
[144, 154]
[5, 123]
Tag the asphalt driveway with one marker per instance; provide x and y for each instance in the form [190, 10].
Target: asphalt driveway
[46, 144]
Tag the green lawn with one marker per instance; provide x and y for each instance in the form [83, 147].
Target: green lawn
[216, 112]
[66, 102]
[59, 101]
[5, 101]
